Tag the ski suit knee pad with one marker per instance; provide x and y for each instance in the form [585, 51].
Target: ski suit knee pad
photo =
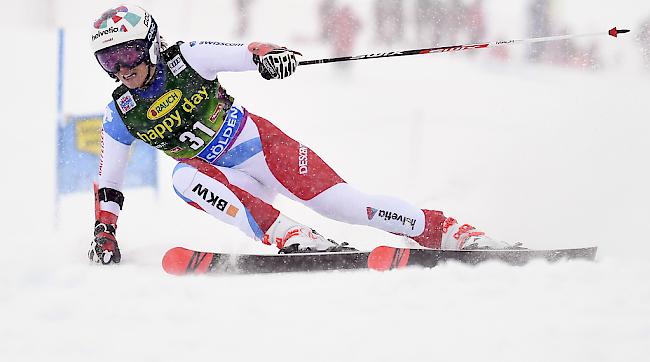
[214, 198]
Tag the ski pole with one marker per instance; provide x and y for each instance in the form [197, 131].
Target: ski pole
[454, 48]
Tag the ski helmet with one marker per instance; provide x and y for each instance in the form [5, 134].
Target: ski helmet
[126, 24]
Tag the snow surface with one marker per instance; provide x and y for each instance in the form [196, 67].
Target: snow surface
[550, 156]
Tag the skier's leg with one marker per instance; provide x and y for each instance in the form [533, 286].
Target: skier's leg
[294, 170]
[237, 199]
[220, 193]
[429, 228]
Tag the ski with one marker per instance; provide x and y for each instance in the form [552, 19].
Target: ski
[182, 261]
[387, 258]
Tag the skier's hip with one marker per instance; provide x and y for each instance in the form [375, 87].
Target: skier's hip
[226, 136]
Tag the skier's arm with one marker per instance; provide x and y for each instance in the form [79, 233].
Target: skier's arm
[209, 58]
[116, 143]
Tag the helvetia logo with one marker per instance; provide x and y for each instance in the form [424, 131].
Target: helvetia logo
[164, 104]
[390, 216]
[116, 16]
[104, 32]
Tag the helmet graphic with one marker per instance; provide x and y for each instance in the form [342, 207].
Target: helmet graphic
[125, 26]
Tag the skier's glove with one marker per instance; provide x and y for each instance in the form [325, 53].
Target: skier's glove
[273, 61]
[104, 249]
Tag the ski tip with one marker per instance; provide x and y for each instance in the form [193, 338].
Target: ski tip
[385, 258]
[175, 261]
[614, 32]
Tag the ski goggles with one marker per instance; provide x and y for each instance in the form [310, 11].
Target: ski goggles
[129, 55]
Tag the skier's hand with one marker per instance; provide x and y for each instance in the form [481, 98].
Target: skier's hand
[104, 248]
[273, 61]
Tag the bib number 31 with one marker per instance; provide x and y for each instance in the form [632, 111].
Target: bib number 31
[196, 142]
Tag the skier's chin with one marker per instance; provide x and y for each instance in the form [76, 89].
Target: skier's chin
[133, 78]
[136, 81]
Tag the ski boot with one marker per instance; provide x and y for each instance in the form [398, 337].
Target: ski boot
[441, 232]
[467, 237]
[292, 237]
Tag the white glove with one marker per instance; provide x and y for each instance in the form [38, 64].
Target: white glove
[273, 61]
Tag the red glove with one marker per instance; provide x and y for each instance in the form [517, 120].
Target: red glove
[104, 248]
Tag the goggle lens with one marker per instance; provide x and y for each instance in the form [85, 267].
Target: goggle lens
[127, 55]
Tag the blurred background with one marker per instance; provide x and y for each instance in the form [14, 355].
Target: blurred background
[544, 144]
[345, 26]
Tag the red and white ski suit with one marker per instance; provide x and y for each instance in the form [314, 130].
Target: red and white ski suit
[261, 163]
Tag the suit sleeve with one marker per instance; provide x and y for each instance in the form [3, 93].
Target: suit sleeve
[209, 58]
[116, 144]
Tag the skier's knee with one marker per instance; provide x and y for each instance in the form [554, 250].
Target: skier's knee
[329, 203]
[182, 177]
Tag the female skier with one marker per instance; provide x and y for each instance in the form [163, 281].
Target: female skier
[231, 162]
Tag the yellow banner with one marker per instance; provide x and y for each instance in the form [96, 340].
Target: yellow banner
[87, 135]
